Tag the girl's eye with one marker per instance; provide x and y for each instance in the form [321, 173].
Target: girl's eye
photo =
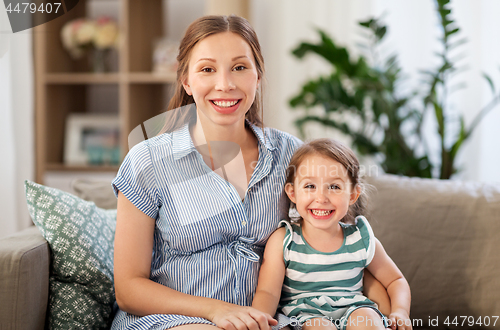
[335, 187]
[207, 70]
[309, 186]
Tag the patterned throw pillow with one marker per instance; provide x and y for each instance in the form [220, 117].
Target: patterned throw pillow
[80, 236]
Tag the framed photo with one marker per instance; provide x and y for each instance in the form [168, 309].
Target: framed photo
[92, 140]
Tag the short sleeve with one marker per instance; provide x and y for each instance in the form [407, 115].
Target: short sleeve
[136, 180]
[367, 236]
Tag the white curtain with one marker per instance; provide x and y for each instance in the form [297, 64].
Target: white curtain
[413, 31]
[16, 125]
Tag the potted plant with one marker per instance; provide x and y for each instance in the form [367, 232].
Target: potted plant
[376, 111]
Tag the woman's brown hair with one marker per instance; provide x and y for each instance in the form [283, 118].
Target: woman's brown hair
[200, 29]
[340, 153]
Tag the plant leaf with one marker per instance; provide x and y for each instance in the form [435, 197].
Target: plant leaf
[490, 82]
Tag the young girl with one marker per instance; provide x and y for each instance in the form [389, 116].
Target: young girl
[317, 264]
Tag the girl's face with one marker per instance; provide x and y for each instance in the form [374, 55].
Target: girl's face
[322, 192]
[222, 78]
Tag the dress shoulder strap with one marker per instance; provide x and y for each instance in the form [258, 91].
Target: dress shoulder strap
[367, 236]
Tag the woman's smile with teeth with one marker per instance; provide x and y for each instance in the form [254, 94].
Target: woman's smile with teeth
[225, 104]
[321, 212]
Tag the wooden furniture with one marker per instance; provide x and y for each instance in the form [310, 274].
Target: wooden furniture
[62, 84]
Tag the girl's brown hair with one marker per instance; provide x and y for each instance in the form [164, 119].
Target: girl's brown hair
[200, 29]
[340, 153]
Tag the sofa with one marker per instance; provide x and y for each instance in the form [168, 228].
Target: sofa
[443, 235]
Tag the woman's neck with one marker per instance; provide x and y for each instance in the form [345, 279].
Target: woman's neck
[205, 133]
[234, 161]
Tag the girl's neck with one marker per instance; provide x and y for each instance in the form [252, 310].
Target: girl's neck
[323, 240]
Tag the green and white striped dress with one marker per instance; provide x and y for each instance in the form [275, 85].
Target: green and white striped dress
[326, 284]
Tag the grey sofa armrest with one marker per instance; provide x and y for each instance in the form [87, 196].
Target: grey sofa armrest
[24, 280]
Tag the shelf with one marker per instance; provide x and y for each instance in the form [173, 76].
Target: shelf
[152, 78]
[82, 78]
[110, 78]
[81, 168]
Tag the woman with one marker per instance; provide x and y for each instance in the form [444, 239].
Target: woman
[192, 223]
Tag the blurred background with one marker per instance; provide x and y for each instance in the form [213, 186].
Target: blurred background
[68, 101]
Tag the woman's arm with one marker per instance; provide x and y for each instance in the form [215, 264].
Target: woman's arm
[271, 274]
[138, 295]
[385, 270]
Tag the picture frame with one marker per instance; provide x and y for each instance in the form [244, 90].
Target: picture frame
[92, 139]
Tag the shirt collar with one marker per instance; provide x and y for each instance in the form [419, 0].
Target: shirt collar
[264, 139]
[183, 144]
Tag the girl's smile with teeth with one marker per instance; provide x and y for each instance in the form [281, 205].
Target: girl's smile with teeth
[321, 213]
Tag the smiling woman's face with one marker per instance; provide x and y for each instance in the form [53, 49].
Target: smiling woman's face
[222, 78]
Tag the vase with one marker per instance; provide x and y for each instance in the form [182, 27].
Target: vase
[99, 60]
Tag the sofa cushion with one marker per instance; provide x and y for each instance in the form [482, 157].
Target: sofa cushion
[81, 237]
[99, 192]
[443, 235]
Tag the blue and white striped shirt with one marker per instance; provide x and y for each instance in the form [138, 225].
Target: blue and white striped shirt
[207, 241]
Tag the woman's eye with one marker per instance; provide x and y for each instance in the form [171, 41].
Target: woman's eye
[207, 70]
[240, 68]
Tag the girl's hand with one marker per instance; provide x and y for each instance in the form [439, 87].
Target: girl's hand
[400, 321]
[234, 317]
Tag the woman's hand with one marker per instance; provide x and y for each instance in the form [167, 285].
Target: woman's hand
[400, 321]
[234, 317]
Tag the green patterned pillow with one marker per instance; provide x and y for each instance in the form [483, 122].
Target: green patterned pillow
[80, 236]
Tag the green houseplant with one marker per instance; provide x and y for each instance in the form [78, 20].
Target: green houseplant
[361, 100]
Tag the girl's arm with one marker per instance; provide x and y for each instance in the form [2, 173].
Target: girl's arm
[376, 292]
[138, 295]
[271, 274]
[385, 270]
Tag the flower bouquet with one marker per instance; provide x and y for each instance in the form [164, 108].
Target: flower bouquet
[98, 36]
